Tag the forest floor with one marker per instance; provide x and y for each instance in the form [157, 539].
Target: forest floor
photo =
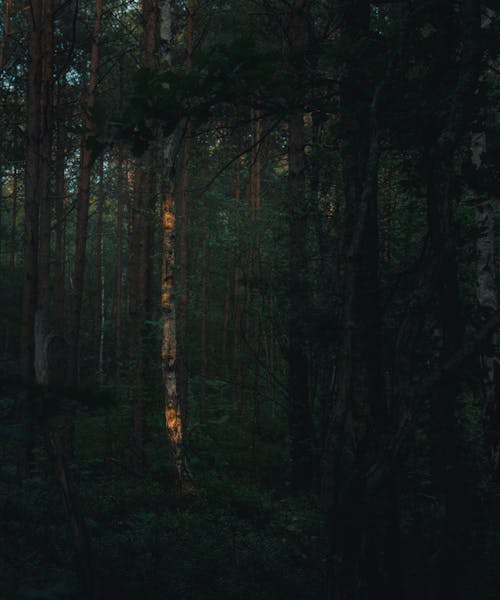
[237, 532]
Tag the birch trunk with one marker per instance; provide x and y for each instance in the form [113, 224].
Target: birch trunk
[173, 401]
[488, 302]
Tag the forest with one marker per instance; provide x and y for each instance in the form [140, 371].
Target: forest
[249, 313]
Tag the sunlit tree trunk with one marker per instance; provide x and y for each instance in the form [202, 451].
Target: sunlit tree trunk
[174, 403]
[182, 224]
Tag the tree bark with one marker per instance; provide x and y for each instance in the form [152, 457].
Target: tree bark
[60, 228]
[119, 270]
[6, 32]
[300, 418]
[13, 227]
[488, 302]
[444, 139]
[83, 204]
[174, 403]
[30, 244]
[363, 520]
[99, 282]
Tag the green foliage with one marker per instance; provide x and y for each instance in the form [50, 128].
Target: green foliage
[230, 536]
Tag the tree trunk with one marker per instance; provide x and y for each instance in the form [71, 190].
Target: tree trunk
[300, 418]
[225, 327]
[13, 227]
[182, 224]
[363, 518]
[30, 245]
[203, 321]
[488, 302]
[45, 153]
[99, 282]
[119, 270]
[6, 32]
[83, 205]
[60, 228]
[254, 336]
[174, 402]
[182, 267]
[445, 137]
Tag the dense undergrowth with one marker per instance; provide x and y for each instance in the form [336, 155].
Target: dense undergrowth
[237, 532]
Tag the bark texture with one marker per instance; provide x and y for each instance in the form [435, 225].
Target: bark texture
[300, 419]
[83, 203]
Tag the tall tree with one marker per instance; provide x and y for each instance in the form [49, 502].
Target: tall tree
[300, 417]
[174, 403]
[83, 199]
[362, 518]
[444, 138]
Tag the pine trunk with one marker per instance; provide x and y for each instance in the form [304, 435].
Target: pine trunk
[83, 199]
[299, 416]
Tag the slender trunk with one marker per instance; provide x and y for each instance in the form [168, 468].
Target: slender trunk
[81, 539]
[83, 204]
[30, 245]
[175, 404]
[137, 289]
[173, 407]
[253, 272]
[32, 191]
[45, 153]
[99, 281]
[1, 211]
[13, 228]
[59, 260]
[445, 136]
[488, 302]
[225, 326]
[363, 518]
[203, 323]
[299, 416]
[182, 255]
[182, 268]
[6, 32]
[236, 384]
[119, 271]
